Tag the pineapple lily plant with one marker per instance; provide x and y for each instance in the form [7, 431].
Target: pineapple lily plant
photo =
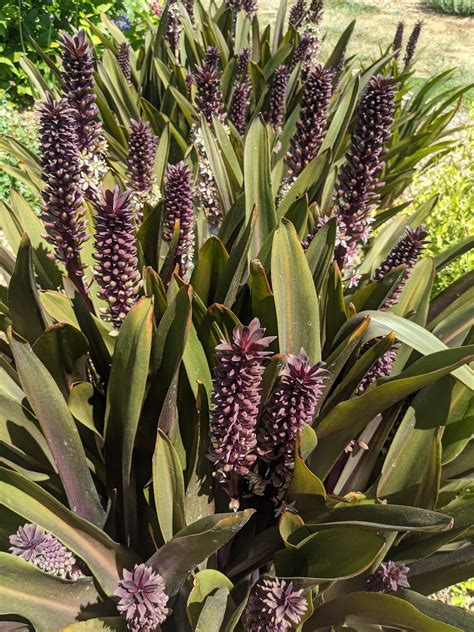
[229, 400]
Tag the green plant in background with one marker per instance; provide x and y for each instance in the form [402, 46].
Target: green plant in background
[452, 176]
[460, 7]
[227, 403]
[24, 19]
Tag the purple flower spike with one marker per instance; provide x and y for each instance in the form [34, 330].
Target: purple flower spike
[42, 549]
[407, 252]
[243, 59]
[173, 27]
[303, 50]
[142, 598]
[389, 577]
[116, 270]
[234, 6]
[292, 405]
[398, 39]
[141, 162]
[239, 106]
[212, 57]
[123, 59]
[209, 98]
[311, 125]
[297, 13]
[62, 210]
[381, 367]
[274, 606]
[356, 191]
[315, 12]
[235, 403]
[412, 42]
[277, 105]
[78, 81]
[250, 7]
[179, 207]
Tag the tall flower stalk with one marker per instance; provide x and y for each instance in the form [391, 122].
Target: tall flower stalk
[311, 126]
[123, 59]
[235, 403]
[398, 39]
[115, 252]
[406, 252]
[359, 178]
[412, 42]
[277, 105]
[78, 83]
[297, 13]
[179, 208]
[292, 405]
[209, 100]
[239, 105]
[62, 211]
[142, 145]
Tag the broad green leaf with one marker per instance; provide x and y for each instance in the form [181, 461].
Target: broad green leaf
[296, 301]
[320, 252]
[59, 307]
[60, 431]
[378, 608]
[459, 617]
[125, 394]
[258, 186]
[205, 584]
[443, 569]
[168, 487]
[191, 546]
[198, 501]
[208, 269]
[323, 556]
[26, 312]
[350, 417]
[378, 517]
[96, 332]
[236, 265]
[64, 352]
[412, 449]
[310, 174]
[102, 555]
[48, 602]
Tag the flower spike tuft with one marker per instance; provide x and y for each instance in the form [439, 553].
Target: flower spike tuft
[274, 606]
[142, 599]
[43, 550]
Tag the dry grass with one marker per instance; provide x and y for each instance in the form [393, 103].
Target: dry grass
[446, 40]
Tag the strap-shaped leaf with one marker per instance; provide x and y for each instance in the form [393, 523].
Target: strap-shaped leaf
[296, 301]
[48, 602]
[60, 430]
[258, 185]
[125, 393]
[377, 608]
[191, 546]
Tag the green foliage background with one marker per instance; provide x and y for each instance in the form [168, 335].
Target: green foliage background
[461, 7]
[21, 20]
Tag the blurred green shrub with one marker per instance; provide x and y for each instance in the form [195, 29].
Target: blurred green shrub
[22, 126]
[461, 7]
[452, 177]
[41, 20]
